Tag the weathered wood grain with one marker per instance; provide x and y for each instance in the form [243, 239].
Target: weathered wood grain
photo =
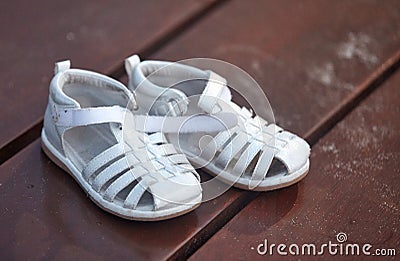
[96, 35]
[352, 188]
[298, 53]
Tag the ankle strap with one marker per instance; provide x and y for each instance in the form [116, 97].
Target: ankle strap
[73, 117]
[186, 124]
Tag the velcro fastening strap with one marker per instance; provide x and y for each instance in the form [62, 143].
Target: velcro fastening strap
[72, 117]
[214, 91]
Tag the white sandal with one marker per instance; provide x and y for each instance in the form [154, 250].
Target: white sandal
[250, 154]
[134, 176]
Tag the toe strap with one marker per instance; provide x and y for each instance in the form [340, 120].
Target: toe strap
[294, 153]
[176, 190]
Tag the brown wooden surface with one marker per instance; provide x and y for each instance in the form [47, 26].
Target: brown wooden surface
[296, 50]
[96, 35]
[47, 215]
[292, 49]
[352, 187]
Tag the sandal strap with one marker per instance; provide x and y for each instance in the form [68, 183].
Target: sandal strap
[129, 169]
[247, 157]
[292, 143]
[185, 124]
[141, 169]
[155, 138]
[214, 91]
[117, 167]
[217, 144]
[119, 184]
[262, 166]
[256, 138]
[231, 149]
[134, 196]
[73, 117]
[102, 159]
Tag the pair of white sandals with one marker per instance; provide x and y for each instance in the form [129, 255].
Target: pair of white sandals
[133, 149]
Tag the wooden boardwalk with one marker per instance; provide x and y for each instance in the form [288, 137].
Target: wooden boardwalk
[329, 69]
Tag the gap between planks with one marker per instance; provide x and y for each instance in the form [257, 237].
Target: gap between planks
[362, 91]
[116, 71]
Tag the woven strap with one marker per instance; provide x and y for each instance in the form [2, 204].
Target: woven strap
[140, 169]
[244, 143]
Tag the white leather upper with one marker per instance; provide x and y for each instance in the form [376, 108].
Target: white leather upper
[145, 162]
[242, 142]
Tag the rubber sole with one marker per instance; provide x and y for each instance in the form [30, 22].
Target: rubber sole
[100, 202]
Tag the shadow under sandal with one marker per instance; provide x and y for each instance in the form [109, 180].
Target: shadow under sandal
[189, 104]
[130, 174]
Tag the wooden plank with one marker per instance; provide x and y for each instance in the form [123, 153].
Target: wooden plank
[306, 56]
[298, 92]
[45, 214]
[96, 35]
[306, 59]
[352, 188]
